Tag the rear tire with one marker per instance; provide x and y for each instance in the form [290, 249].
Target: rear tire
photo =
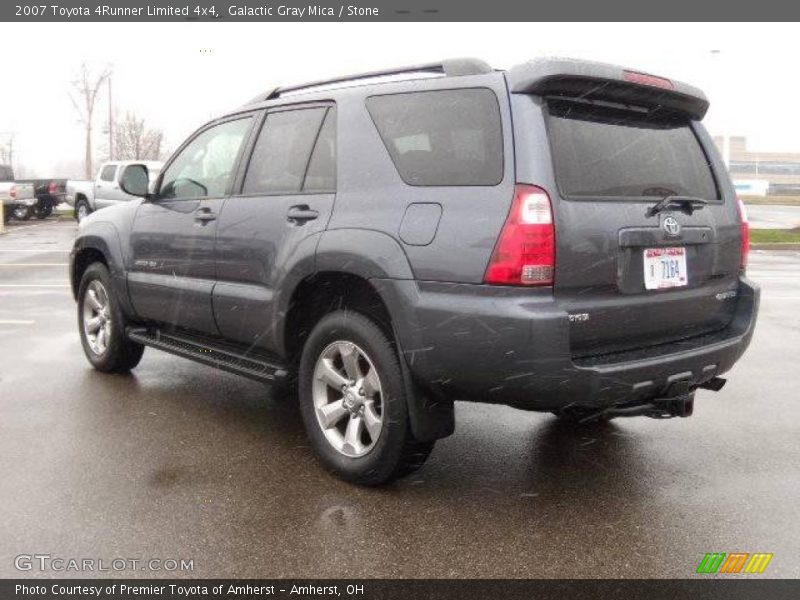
[22, 213]
[415, 454]
[102, 324]
[354, 401]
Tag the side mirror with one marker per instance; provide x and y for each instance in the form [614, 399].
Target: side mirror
[135, 181]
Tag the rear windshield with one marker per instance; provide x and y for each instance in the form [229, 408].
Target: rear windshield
[605, 152]
[445, 137]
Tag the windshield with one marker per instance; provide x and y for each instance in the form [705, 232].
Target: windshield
[607, 152]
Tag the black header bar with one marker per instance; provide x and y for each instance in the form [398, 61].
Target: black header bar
[400, 10]
[699, 588]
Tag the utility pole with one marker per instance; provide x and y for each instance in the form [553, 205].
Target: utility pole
[110, 123]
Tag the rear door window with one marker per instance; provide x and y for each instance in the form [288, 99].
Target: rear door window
[600, 151]
[282, 153]
[443, 137]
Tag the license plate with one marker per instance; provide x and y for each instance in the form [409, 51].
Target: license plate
[664, 268]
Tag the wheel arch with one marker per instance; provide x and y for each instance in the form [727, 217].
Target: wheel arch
[347, 263]
[102, 244]
[81, 261]
[331, 260]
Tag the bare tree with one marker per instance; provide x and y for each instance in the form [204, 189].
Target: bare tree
[134, 141]
[84, 98]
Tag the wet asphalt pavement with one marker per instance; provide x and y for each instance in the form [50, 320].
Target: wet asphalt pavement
[180, 461]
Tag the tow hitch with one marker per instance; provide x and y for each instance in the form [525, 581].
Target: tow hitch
[715, 384]
[658, 408]
[678, 401]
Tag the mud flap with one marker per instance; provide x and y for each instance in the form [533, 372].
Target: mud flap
[430, 417]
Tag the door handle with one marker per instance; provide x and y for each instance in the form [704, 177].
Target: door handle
[204, 215]
[301, 213]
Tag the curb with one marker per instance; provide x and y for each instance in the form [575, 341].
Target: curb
[776, 246]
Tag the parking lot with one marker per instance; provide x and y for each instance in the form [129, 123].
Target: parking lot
[178, 461]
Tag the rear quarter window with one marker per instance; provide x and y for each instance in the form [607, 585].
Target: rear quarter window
[443, 137]
[601, 151]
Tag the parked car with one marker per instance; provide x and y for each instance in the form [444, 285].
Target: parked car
[17, 197]
[48, 194]
[559, 237]
[88, 196]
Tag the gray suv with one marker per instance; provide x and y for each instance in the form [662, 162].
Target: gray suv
[559, 237]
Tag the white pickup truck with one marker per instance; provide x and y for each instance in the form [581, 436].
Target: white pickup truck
[88, 196]
[16, 197]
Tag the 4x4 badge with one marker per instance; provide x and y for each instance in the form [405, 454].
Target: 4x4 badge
[671, 226]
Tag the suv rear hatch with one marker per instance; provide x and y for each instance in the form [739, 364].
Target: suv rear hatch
[620, 142]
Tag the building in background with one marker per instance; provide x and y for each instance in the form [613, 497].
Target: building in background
[761, 173]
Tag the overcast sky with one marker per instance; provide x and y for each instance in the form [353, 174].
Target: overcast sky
[178, 75]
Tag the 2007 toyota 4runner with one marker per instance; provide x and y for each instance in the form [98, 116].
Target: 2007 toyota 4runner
[561, 236]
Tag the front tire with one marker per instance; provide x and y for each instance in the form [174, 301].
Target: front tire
[354, 403]
[102, 324]
[43, 210]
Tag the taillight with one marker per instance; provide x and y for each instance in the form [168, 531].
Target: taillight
[12, 193]
[52, 188]
[525, 252]
[744, 229]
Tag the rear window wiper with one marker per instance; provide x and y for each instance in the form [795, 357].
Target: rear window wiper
[687, 203]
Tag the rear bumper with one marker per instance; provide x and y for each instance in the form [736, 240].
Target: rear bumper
[12, 202]
[506, 346]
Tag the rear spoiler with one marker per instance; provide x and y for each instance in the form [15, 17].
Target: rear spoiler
[567, 77]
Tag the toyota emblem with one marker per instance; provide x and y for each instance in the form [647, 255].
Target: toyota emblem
[671, 226]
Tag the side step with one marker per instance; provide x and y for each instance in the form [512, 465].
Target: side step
[211, 353]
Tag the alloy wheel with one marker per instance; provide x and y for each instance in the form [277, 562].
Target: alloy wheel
[97, 317]
[348, 398]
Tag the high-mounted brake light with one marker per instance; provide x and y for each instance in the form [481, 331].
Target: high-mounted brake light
[51, 188]
[744, 229]
[645, 79]
[525, 252]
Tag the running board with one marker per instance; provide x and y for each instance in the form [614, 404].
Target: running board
[210, 353]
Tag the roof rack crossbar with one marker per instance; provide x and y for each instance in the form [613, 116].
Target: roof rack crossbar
[449, 68]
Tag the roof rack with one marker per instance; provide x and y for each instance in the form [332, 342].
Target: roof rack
[453, 67]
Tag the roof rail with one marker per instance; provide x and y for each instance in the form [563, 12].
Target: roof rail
[453, 67]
